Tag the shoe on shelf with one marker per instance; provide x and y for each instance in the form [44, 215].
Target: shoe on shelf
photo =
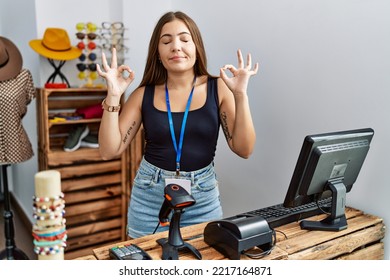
[76, 135]
[91, 141]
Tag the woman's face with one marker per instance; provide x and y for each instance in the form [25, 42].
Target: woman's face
[176, 48]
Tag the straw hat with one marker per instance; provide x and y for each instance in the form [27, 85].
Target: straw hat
[11, 61]
[55, 45]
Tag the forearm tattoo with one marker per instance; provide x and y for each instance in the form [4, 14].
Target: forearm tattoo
[128, 132]
[225, 126]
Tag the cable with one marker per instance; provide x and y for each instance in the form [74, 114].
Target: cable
[321, 208]
[285, 235]
[158, 224]
[264, 253]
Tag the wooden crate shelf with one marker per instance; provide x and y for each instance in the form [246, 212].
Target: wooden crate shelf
[95, 190]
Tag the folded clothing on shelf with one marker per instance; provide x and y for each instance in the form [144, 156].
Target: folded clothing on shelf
[91, 112]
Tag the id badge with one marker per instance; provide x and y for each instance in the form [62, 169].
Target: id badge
[184, 183]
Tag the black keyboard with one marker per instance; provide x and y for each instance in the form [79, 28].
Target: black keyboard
[278, 215]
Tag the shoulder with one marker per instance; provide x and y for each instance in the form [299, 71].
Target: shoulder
[138, 93]
[139, 90]
[223, 90]
[221, 84]
[135, 98]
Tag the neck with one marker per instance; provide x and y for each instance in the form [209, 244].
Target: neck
[181, 80]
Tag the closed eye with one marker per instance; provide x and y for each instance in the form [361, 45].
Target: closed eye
[185, 38]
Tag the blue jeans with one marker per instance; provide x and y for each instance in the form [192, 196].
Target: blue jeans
[147, 196]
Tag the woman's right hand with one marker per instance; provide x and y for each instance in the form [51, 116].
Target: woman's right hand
[116, 78]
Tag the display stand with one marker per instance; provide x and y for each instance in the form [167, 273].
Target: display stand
[11, 252]
[57, 71]
[337, 220]
[174, 243]
[49, 229]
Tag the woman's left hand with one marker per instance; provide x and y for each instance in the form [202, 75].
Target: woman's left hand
[238, 84]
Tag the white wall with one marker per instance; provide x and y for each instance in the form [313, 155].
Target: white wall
[324, 66]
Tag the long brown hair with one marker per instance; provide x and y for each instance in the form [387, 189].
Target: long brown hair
[155, 73]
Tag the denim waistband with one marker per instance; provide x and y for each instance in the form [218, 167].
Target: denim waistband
[162, 173]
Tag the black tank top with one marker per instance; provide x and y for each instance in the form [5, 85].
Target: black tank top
[200, 136]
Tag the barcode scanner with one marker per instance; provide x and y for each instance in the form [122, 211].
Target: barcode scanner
[176, 199]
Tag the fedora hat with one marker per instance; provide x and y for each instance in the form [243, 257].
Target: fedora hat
[55, 45]
[11, 61]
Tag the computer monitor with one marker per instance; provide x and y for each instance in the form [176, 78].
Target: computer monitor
[328, 165]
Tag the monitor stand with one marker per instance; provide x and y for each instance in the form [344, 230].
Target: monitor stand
[337, 220]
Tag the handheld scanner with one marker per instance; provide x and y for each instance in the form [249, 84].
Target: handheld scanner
[176, 198]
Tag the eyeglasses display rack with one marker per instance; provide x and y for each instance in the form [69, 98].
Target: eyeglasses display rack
[87, 37]
[92, 40]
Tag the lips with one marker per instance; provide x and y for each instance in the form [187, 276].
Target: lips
[176, 58]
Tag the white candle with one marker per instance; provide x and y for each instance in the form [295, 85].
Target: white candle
[48, 184]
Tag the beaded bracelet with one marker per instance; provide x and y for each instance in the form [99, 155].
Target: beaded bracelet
[48, 209]
[51, 233]
[49, 238]
[50, 217]
[50, 243]
[48, 228]
[47, 199]
[49, 250]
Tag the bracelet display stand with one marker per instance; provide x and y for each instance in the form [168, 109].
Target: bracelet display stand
[11, 252]
[49, 230]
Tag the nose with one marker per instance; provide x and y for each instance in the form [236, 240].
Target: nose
[176, 46]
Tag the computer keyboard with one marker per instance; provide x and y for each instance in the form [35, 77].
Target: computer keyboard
[278, 215]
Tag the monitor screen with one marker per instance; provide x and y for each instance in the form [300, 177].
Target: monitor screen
[328, 166]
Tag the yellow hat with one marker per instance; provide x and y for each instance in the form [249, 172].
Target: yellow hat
[55, 45]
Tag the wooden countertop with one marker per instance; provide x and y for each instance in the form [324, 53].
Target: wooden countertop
[361, 240]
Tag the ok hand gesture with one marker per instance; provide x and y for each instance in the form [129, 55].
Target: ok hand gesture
[116, 78]
[239, 82]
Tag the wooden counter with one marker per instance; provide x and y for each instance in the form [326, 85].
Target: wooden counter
[361, 240]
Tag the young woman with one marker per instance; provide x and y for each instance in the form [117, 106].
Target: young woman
[181, 108]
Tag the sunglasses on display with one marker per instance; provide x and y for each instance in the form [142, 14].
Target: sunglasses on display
[118, 47]
[118, 25]
[112, 41]
[84, 66]
[108, 34]
[90, 27]
[90, 36]
[92, 75]
[90, 45]
[90, 56]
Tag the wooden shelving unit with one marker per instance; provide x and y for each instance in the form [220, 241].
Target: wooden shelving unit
[96, 191]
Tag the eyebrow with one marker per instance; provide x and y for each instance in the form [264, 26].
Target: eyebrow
[170, 35]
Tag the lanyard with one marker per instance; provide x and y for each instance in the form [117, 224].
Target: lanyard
[178, 148]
